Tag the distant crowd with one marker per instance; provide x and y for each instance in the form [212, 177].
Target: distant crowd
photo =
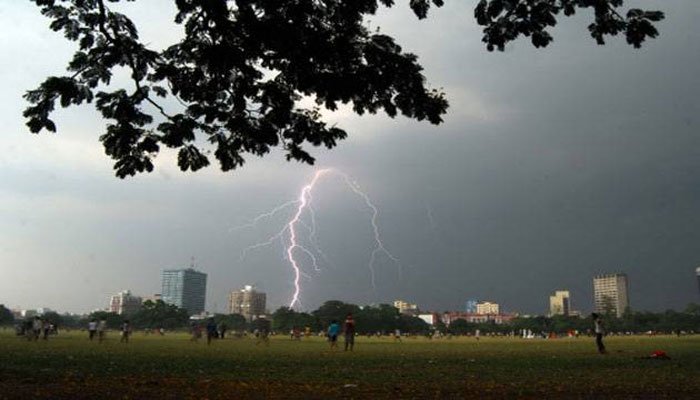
[37, 328]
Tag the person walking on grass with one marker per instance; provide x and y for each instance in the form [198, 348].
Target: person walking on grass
[46, 327]
[194, 332]
[126, 331]
[101, 330]
[92, 329]
[599, 329]
[36, 328]
[211, 330]
[333, 330]
[263, 332]
[222, 329]
[349, 332]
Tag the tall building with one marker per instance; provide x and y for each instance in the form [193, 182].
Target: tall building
[559, 303]
[124, 303]
[610, 293]
[185, 288]
[487, 308]
[248, 302]
[405, 307]
[697, 273]
[470, 306]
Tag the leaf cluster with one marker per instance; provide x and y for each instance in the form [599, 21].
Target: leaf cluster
[506, 20]
[238, 76]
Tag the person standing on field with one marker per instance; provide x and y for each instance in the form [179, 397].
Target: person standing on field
[211, 330]
[92, 328]
[36, 327]
[194, 332]
[333, 330]
[46, 327]
[222, 329]
[125, 332]
[263, 332]
[101, 330]
[599, 329]
[349, 332]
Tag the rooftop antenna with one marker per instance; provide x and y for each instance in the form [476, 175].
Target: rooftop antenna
[192, 263]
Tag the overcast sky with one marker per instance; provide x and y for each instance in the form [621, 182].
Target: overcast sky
[552, 166]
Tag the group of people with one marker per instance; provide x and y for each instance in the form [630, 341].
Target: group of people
[296, 333]
[213, 330]
[348, 331]
[36, 328]
[99, 329]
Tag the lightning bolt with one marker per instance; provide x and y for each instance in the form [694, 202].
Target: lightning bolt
[292, 246]
[313, 239]
[254, 222]
[379, 245]
[303, 200]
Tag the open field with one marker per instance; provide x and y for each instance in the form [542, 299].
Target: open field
[69, 366]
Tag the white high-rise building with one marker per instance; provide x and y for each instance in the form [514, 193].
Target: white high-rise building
[559, 304]
[611, 293]
[248, 302]
[124, 303]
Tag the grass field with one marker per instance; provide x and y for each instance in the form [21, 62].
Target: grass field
[69, 366]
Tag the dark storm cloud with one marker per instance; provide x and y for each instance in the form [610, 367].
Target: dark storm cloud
[553, 165]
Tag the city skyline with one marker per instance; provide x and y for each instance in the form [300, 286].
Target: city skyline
[610, 290]
[552, 166]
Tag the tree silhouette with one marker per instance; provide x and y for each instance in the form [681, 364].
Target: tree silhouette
[243, 66]
[6, 317]
[159, 314]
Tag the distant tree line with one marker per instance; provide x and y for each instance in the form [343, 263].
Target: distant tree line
[669, 321]
[382, 318]
[155, 315]
[368, 319]
[386, 318]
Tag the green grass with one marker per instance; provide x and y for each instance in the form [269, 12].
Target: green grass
[173, 367]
